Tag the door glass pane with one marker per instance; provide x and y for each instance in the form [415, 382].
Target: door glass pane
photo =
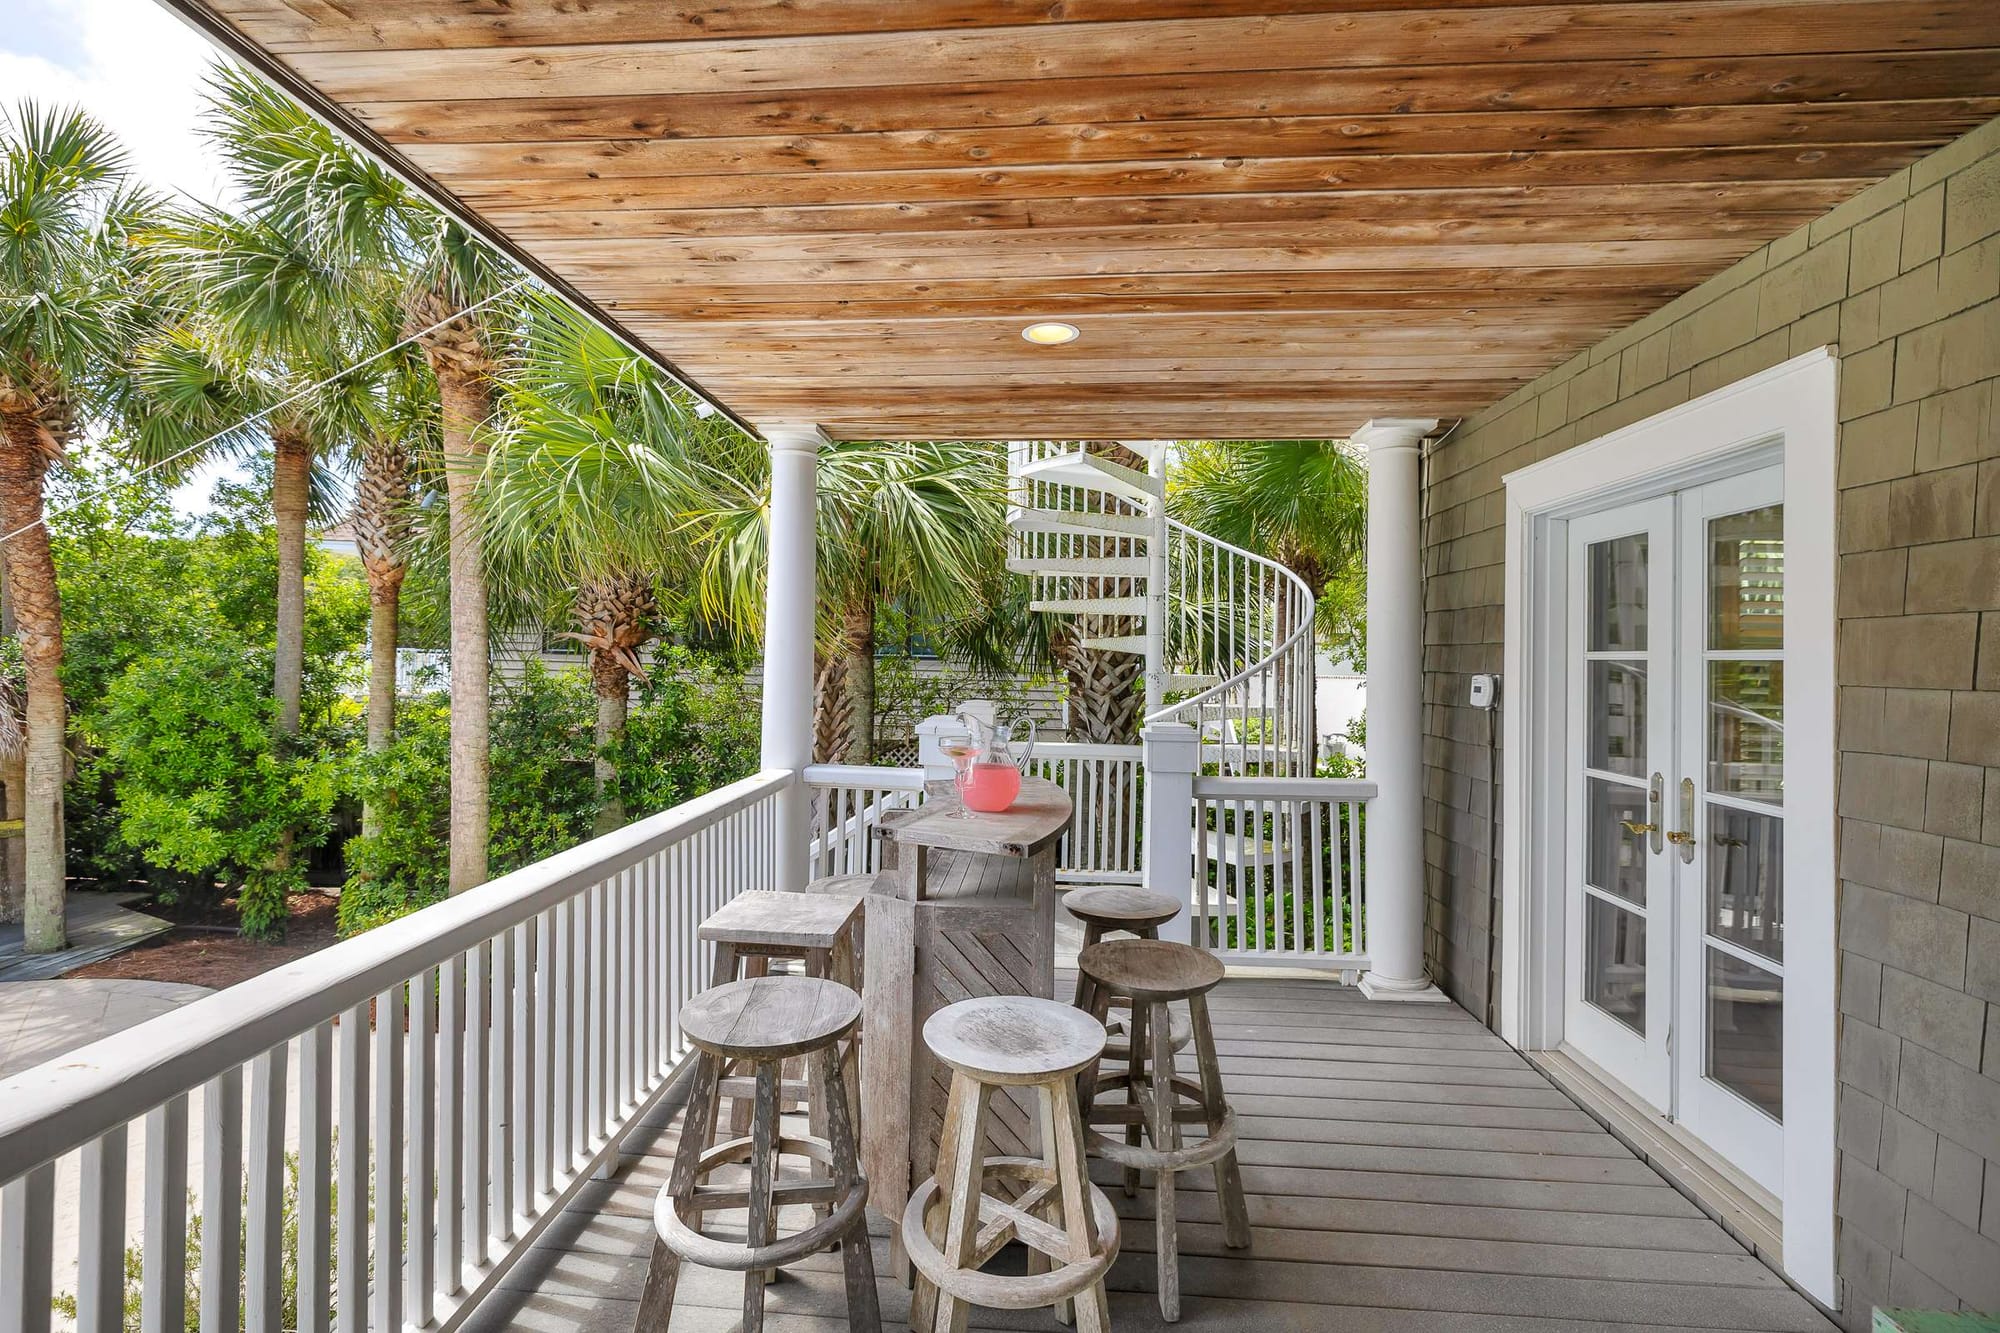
[1746, 1031]
[1746, 579]
[1618, 594]
[1616, 860]
[1614, 961]
[1746, 880]
[1746, 732]
[1618, 718]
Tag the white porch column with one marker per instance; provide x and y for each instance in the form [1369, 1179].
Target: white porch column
[1395, 848]
[790, 604]
[1172, 757]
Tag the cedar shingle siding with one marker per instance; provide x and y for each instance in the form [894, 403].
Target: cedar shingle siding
[1906, 279]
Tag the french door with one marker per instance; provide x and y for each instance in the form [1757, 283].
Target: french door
[1674, 870]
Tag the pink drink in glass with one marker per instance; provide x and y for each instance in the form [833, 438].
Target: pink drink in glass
[992, 787]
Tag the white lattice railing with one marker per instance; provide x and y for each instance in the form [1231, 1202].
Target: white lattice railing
[1279, 870]
[443, 1083]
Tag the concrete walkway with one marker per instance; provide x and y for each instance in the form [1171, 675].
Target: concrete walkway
[39, 1020]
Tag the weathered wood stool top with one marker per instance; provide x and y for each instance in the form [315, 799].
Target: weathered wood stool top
[766, 1018]
[1120, 906]
[787, 920]
[1155, 969]
[1014, 1039]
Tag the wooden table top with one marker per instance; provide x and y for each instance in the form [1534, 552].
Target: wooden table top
[1035, 820]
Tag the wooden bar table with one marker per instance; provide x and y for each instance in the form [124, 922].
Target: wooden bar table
[963, 907]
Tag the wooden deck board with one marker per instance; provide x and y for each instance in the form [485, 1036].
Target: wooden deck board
[1388, 1190]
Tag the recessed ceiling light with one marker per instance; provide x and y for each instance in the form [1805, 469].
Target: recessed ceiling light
[1050, 333]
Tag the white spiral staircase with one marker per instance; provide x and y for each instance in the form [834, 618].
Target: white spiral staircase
[1227, 636]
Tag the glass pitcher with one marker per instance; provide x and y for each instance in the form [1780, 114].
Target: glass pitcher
[991, 782]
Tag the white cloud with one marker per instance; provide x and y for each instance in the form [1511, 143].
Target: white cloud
[130, 63]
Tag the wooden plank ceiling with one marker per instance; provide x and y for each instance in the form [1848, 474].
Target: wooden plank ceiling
[1269, 218]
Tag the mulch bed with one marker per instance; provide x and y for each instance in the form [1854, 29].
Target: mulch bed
[197, 954]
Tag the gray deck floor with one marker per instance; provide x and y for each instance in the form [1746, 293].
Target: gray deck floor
[1407, 1172]
[99, 925]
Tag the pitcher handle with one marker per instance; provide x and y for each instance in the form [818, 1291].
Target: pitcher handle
[1028, 752]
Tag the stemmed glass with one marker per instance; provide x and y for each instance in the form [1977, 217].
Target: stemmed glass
[961, 750]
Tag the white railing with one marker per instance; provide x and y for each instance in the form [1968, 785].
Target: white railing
[848, 801]
[1279, 870]
[1248, 621]
[442, 1083]
[1103, 843]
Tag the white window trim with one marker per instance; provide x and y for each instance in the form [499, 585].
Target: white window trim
[1788, 411]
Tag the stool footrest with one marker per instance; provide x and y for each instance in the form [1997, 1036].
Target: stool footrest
[1006, 1291]
[692, 1246]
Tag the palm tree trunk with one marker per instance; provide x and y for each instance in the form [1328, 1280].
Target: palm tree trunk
[14, 780]
[831, 702]
[31, 580]
[467, 403]
[858, 646]
[613, 685]
[291, 479]
[381, 501]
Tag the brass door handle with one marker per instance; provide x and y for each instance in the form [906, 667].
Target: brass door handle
[1680, 839]
[1638, 830]
[1683, 837]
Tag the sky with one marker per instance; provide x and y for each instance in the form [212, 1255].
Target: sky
[138, 69]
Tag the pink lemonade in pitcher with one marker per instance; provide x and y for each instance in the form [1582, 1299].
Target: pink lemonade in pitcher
[992, 787]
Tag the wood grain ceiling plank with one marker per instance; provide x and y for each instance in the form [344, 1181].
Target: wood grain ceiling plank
[1260, 137]
[1612, 314]
[1412, 89]
[1086, 264]
[1761, 208]
[1552, 33]
[1229, 176]
[382, 25]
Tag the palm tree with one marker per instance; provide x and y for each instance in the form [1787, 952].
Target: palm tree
[1106, 689]
[404, 420]
[257, 325]
[581, 498]
[357, 212]
[917, 522]
[1302, 503]
[65, 221]
[913, 521]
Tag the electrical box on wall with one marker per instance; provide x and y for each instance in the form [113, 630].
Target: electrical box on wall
[1485, 691]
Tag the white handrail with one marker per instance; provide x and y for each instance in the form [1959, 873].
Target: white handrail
[57, 1107]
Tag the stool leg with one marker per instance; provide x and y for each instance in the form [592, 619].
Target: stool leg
[1092, 933]
[1228, 1176]
[1091, 1311]
[1086, 1082]
[1135, 1064]
[963, 1189]
[656, 1300]
[864, 1314]
[761, 1225]
[1166, 1134]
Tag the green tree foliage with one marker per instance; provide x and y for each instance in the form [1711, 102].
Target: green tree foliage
[694, 727]
[180, 769]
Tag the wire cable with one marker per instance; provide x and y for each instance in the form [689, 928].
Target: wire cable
[261, 413]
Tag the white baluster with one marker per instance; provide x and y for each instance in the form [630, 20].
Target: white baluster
[420, 1131]
[100, 1291]
[315, 1261]
[351, 1235]
[386, 1133]
[27, 1226]
[449, 1251]
[222, 1199]
[163, 1297]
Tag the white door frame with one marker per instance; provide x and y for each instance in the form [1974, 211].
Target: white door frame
[1788, 414]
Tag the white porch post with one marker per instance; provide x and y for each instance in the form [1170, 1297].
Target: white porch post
[1172, 755]
[1395, 848]
[790, 602]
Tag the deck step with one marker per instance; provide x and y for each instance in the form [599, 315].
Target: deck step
[1117, 643]
[1081, 522]
[1081, 566]
[1091, 473]
[1090, 606]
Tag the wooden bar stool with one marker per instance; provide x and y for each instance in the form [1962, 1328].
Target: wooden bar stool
[822, 931]
[1150, 973]
[1107, 908]
[952, 1227]
[763, 1021]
